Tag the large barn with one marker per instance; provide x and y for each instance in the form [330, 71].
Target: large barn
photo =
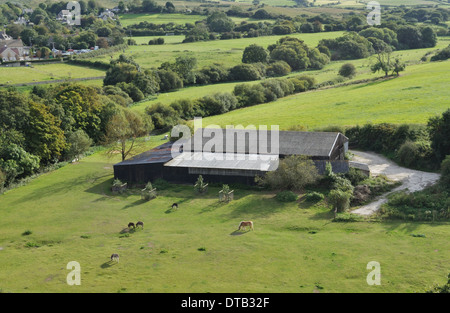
[232, 156]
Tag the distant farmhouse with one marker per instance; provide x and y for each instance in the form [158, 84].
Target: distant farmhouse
[239, 159]
[12, 49]
[23, 21]
[64, 16]
[107, 14]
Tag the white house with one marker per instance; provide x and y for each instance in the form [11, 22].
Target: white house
[12, 49]
[105, 15]
[64, 15]
[10, 54]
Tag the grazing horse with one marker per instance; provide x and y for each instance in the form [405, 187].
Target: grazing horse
[115, 257]
[140, 224]
[175, 206]
[245, 224]
[131, 224]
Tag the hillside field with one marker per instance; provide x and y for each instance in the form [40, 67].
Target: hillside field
[45, 72]
[226, 52]
[418, 94]
[176, 18]
[414, 67]
[72, 216]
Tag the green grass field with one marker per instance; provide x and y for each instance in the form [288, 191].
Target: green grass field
[418, 94]
[45, 72]
[294, 248]
[270, 2]
[71, 214]
[407, 2]
[92, 82]
[177, 18]
[329, 72]
[143, 40]
[184, 93]
[227, 52]
[362, 3]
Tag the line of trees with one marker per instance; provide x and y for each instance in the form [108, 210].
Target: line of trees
[243, 95]
[376, 40]
[278, 60]
[59, 123]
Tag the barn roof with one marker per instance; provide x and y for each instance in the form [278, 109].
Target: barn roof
[318, 144]
[246, 144]
[233, 161]
[160, 154]
[12, 43]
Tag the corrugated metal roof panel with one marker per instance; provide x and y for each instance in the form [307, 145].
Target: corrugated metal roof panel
[254, 141]
[225, 161]
[160, 154]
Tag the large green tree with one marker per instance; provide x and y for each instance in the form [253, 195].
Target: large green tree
[293, 172]
[293, 51]
[126, 70]
[44, 136]
[439, 131]
[79, 107]
[15, 162]
[255, 54]
[123, 129]
[14, 110]
[219, 22]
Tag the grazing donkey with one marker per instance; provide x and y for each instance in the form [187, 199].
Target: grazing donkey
[115, 257]
[131, 224]
[140, 224]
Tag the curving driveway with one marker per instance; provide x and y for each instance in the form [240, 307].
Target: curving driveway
[412, 180]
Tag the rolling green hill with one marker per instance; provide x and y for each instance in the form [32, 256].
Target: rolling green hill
[419, 93]
[227, 52]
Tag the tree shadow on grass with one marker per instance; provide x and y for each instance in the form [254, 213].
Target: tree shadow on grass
[325, 215]
[402, 226]
[103, 188]
[255, 207]
[135, 203]
[212, 207]
[60, 187]
[372, 83]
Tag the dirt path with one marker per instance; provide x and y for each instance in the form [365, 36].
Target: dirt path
[411, 179]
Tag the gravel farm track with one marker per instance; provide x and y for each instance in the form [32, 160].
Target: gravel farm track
[412, 180]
